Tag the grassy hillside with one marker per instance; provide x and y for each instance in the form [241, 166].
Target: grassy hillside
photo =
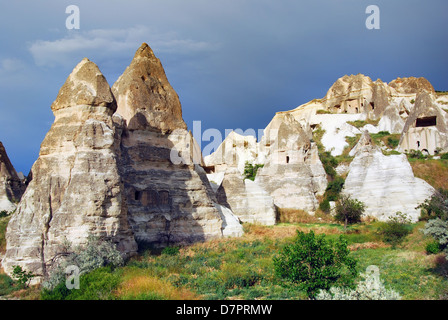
[242, 268]
[435, 172]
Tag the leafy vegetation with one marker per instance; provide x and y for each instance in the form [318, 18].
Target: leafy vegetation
[250, 170]
[348, 210]
[243, 268]
[315, 263]
[395, 230]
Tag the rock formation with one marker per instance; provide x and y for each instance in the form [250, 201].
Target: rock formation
[411, 85]
[168, 195]
[11, 185]
[76, 188]
[386, 184]
[247, 200]
[426, 127]
[293, 174]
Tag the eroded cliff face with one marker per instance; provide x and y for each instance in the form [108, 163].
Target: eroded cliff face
[76, 188]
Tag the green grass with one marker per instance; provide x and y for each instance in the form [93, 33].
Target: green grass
[242, 268]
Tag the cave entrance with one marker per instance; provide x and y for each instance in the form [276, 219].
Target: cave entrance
[426, 122]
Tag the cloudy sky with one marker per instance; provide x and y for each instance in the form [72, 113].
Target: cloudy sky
[234, 63]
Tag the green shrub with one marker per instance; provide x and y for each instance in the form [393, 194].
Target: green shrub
[21, 276]
[444, 156]
[325, 206]
[171, 251]
[392, 142]
[315, 263]
[96, 254]
[334, 188]
[433, 247]
[395, 230]
[435, 207]
[98, 284]
[438, 229]
[349, 210]
[416, 154]
[3, 213]
[250, 170]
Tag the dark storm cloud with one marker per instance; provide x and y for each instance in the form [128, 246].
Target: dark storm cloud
[233, 63]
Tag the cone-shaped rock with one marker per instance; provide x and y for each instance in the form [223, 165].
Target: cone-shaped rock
[426, 127]
[145, 98]
[76, 189]
[168, 195]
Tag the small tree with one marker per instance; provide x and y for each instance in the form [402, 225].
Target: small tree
[21, 276]
[349, 210]
[315, 263]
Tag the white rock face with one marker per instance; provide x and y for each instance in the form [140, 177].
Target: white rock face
[386, 184]
[247, 200]
[231, 226]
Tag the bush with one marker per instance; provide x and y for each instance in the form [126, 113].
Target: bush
[171, 251]
[3, 213]
[96, 254]
[444, 156]
[315, 263]
[349, 210]
[98, 284]
[334, 188]
[21, 276]
[438, 229]
[370, 288]
[250, 171]
[416, 154]
[325, 206]
[395, 230]
[392, 142]
[435, 207]
[433, 248]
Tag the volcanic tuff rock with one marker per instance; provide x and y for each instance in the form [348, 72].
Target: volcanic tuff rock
[11, 186]
[76, 188]
[292, 174]
[411, 85]
[426, 127]
[386, 184]
[168, 195]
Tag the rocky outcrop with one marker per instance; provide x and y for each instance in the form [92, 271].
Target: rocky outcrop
[247, 200]
[426, 127]
[11, 185]
[386, 184]
[349, 94]
[411, 85]
[293, 174]
[168, 195]
[76, 188]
